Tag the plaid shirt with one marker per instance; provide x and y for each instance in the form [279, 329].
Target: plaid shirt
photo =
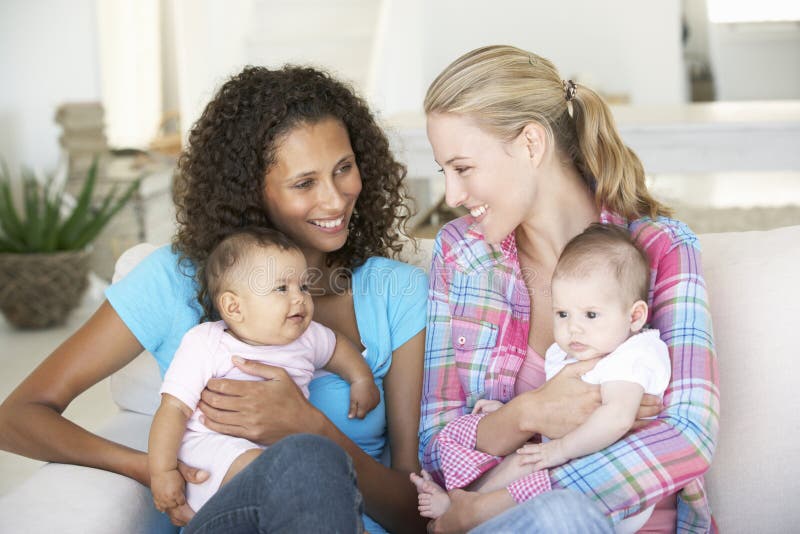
[477, 338]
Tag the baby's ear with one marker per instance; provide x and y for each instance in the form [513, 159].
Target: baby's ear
[229, 307]
[638, 315]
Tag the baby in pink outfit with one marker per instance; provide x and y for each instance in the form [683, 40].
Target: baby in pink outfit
[256, 280]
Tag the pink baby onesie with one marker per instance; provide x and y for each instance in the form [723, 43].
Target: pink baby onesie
[205, 352]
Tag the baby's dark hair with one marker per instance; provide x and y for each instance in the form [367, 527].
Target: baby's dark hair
[226, 260]
[607, 248]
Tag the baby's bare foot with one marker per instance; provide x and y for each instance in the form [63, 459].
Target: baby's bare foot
[433, 505]
[433, 501]
[419, 480]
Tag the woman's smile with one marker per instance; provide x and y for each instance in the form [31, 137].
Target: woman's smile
[478, 212]
[330, 225]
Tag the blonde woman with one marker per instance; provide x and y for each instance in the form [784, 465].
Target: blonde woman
[536, 159]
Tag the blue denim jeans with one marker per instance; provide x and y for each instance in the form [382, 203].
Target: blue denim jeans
[555, 512]
[303, 483]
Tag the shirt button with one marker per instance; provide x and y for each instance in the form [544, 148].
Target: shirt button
[462, 340]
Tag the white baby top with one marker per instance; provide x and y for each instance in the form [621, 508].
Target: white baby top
[643, 358]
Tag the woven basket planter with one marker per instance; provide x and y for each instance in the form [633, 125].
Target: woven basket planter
[40, 290]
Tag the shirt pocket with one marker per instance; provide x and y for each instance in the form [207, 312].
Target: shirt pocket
[473, 343]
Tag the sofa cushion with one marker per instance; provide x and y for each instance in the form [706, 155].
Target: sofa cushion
[755, 305]
[71, 499]
[130, 259]
[135, 387]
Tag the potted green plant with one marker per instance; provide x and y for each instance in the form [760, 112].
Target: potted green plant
[45, 247]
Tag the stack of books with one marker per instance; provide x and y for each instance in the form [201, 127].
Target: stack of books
[149, 215]
[83, 135]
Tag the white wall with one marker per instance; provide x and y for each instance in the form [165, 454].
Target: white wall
[48, 55]
[756, 61]
[748, 61]
[392, 49]
[397, 80]
[214, 40]
[617, 46]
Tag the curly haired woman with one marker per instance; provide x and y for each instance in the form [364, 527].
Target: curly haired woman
[295, 150]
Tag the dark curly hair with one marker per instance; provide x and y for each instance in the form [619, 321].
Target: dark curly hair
[219, 183]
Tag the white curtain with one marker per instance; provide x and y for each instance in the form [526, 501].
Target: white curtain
[130, 50]
[208, 43]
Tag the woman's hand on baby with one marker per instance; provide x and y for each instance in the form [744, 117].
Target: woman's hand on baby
[563, 403]
[364, 396]
[542, 455]
[650, 407]
[262, 411]
[486, 406]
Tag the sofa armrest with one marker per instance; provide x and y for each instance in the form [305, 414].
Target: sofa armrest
[71, 499]
[135, 386]
[755, 301]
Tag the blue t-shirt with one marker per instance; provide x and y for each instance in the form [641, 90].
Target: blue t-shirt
[157, 301]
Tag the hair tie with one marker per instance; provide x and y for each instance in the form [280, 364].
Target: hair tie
[570, 89]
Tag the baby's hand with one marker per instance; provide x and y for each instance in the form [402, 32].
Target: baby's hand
[364, 396]
[487, 406]
[169, 489]
[542, 455]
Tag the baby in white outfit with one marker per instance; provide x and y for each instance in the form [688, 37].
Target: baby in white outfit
[599, 290]
[599, 294]
[256, 280]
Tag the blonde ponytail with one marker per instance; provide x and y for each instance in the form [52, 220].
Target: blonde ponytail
[617, 171]
[505, 88]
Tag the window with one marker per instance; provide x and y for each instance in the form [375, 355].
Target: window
[728, 11]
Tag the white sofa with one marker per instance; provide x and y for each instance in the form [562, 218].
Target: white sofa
[754, 479]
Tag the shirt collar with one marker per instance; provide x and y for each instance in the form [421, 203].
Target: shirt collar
[508, 246]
